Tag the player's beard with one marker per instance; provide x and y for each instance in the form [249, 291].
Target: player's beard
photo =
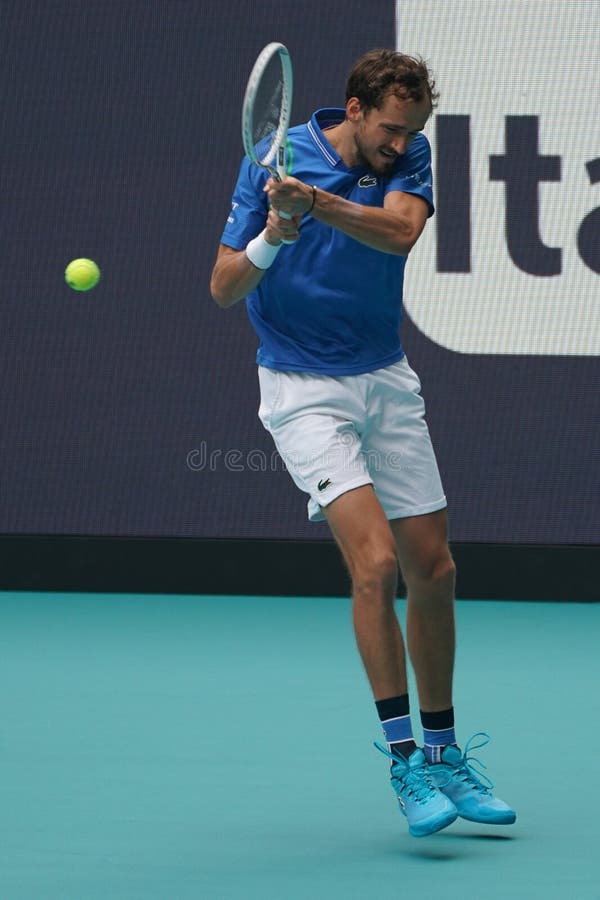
[372, 158]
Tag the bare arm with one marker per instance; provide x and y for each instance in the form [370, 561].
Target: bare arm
[234, 276]
[395, 228]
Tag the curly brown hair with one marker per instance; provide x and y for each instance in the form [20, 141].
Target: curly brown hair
[381, 72]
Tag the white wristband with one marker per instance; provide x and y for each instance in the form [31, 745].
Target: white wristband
[260, 252]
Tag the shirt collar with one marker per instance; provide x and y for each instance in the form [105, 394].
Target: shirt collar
[319, 121]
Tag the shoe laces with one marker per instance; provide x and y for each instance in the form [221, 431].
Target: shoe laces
[416, 781]
[465, 769]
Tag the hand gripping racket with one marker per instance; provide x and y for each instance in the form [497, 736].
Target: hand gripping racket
[266, 110]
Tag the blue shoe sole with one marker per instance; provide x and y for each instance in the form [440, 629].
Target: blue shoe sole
[431, 826]
[507, 818]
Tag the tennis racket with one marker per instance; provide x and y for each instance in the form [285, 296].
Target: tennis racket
[266, 110]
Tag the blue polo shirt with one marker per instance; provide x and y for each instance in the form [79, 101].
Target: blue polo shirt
[328, 304]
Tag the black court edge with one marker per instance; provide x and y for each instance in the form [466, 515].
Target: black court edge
[279, 568]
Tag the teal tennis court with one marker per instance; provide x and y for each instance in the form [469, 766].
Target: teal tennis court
[178, 747]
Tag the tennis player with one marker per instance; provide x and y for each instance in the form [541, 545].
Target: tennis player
[344, 407]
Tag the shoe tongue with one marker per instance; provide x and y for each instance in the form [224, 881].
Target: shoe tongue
[416, 758]
[451, 754]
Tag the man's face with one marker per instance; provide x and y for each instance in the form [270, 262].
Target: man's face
[382, 135]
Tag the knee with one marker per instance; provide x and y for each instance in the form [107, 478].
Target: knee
[375, 574]
[434, 569]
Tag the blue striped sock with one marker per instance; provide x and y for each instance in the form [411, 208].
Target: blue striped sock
[394, 714]
[438, 732]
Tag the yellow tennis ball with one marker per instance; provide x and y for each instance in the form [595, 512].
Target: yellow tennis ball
[82, 274]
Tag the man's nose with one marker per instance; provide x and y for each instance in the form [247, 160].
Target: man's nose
[399, 144]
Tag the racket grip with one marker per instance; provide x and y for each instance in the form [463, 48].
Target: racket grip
[281, 173]
[285, 215]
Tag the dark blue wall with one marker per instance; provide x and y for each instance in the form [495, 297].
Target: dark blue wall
[120, 141]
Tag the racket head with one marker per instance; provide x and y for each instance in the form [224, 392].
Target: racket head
[267, 108]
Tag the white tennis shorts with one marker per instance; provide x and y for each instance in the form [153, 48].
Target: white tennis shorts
[336, 433]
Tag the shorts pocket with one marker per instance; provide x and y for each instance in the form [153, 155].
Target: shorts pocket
[270, 391]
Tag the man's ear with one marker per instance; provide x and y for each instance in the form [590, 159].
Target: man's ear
[353, 109]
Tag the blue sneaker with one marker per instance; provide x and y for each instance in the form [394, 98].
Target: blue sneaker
[426, 808]
[470, 790]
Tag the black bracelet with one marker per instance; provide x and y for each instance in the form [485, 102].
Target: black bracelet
[314, 199]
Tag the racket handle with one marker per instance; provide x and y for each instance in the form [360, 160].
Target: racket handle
[281, 173]
[285, 215]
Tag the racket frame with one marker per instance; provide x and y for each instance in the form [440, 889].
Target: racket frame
[274, 159]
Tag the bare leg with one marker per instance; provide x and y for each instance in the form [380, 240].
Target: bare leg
[429, 574]
[365, 538]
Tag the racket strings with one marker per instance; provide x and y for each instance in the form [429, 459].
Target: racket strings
[267, 104]
[266, 109]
